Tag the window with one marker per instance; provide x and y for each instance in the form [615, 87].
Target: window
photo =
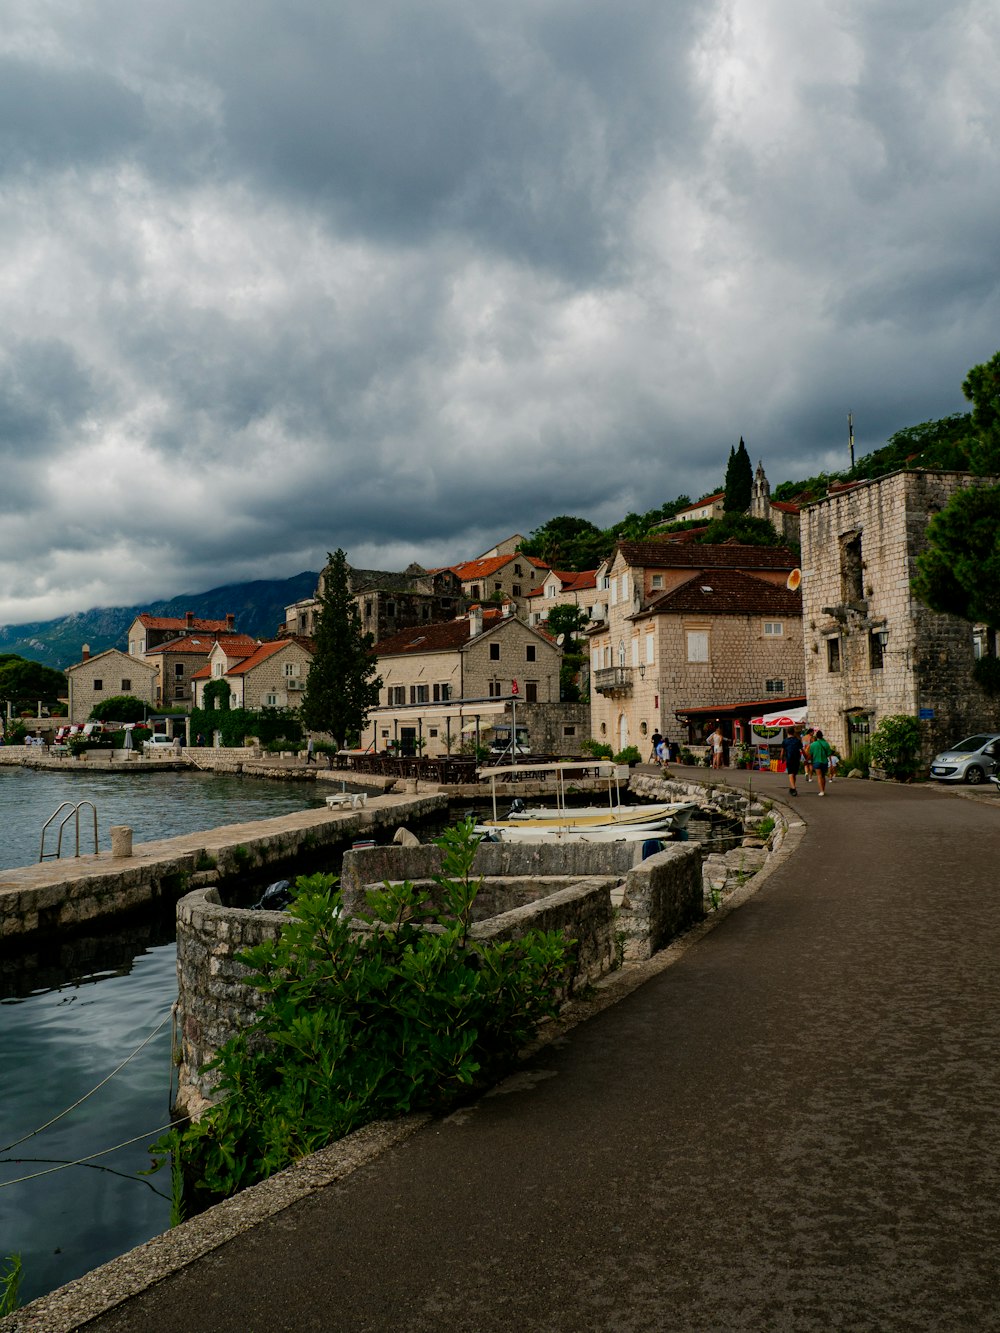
[368, 609]
[650, 649]
[217, 668]
[531, 691]
[270, 701]
[657, 580]
[876, 653]
[517, 570]
[397, 695]
[126, 686]
[494, 689]
[178, 668]
[569, 731]
[494, 652]
[697, 645]
[516, 590]
[418, 694]
[529, 652]
[291, 669]
[498, 587]
[98, 684]
[432, 732]
[773, 629]
[774, 686]
[851, 567]
[178, 691]
[833, 654]
[595, 660]
[635, 652]
[390, 609]
[475, 592]
[442, 693]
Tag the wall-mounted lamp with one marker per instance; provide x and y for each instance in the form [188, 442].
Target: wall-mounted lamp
[883, 638]
[642, 672]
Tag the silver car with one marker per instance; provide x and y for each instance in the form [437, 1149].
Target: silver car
[971, 760]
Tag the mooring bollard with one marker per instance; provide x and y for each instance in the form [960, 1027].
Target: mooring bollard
[121, 840]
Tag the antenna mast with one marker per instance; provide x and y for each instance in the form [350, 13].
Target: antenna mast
[850, 436]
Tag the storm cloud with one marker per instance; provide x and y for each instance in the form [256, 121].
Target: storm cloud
[406, 279]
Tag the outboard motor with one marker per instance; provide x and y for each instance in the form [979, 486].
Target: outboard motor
[517, 806]
[275, 897]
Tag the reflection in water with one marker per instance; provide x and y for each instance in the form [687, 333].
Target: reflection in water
[155, 805]
[59, 1042]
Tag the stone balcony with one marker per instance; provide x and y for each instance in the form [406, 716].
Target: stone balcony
[613, 680]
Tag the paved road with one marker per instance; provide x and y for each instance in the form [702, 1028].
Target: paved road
[792, 1128]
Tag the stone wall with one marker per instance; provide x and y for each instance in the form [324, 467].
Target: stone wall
[859, 548]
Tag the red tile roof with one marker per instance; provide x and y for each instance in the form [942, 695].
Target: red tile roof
[657, 553]
[262, 652]
[443, 637]
[234, 644]
[481, 569]
[708, 500]
[728, 592]
[181, 623]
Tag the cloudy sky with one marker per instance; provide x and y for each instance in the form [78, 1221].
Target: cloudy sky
[407, 277]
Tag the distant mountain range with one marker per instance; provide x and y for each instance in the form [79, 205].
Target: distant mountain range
[259, 608]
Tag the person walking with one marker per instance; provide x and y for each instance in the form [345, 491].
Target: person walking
[791, 748]
[819, 756]
[310, 756]
[807, 740]
[717, 742]
[655, 740]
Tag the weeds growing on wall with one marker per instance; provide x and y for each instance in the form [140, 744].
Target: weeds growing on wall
[358, 1026]
[10, 1285]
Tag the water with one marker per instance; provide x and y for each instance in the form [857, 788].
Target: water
[73, 1010]
[154, 805]
[57, 1044]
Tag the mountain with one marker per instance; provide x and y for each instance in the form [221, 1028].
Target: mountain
[259, 608]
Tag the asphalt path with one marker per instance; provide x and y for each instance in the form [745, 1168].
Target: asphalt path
[793, 1127]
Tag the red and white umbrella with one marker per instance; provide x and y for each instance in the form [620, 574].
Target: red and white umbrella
[792, 718]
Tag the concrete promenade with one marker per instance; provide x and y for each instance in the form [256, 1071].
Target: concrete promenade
[794, 1126]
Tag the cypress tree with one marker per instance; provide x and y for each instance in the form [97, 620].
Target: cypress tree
[739, 481]
[342, 686]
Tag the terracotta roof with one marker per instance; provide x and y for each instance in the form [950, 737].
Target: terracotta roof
[770, 704]
[785, 506]
[481, 569]
[181, 623]
[728, 592]
[708, 500]
[658, 553]
[234, 644]
[442, 637]
[261, 653]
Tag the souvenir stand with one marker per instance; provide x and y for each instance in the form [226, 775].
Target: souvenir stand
[767, 732]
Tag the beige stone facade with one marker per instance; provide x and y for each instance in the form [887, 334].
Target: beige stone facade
[439, 679]
[111, 673]
[274, 676]
[688, 628]
[858, 552]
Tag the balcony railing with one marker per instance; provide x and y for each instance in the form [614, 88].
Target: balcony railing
[613, 680]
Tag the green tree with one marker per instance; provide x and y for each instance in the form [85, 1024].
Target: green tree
[25, 684]
[342, 686]
[959, 572]
[739, 481]
[982, 388]
[743, 529]
[568, 620]
[119, 708]
[568, 543]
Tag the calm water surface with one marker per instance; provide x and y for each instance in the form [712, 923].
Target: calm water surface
[154, 805]
[68, 1019]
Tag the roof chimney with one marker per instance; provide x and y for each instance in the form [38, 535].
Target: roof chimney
[86, 653]
[475, 620]
[188, 619]
[230, 620]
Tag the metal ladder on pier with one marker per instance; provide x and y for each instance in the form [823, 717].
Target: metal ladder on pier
[72, 813]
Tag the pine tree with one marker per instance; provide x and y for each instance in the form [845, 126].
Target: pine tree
[342, 686]
[739, 481]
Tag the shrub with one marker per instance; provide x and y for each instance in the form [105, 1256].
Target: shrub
[895, 744]
[858, 760]
[630, 755]
[596, 749]
[357, 1026]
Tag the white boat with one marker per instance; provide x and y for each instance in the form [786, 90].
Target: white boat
[612, 822]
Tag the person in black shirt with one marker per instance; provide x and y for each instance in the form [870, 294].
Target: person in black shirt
[791, 748]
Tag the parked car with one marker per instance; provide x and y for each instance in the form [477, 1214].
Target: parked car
[159, 741]
[971, 760]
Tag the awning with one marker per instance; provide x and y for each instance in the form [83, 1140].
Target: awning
[791, 718]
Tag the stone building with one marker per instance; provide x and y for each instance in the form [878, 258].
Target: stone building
[689, 628]
[871, 648]
[148, 631]
[386, 601]
[179, 660]
[92, 680]
[782, 515]
[259, 675]
[443, 683]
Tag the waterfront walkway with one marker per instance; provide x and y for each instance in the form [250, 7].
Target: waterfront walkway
[792, 1127]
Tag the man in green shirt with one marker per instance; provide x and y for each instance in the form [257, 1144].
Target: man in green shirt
[819, 755]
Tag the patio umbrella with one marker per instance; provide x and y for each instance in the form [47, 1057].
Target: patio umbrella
[792, 718]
